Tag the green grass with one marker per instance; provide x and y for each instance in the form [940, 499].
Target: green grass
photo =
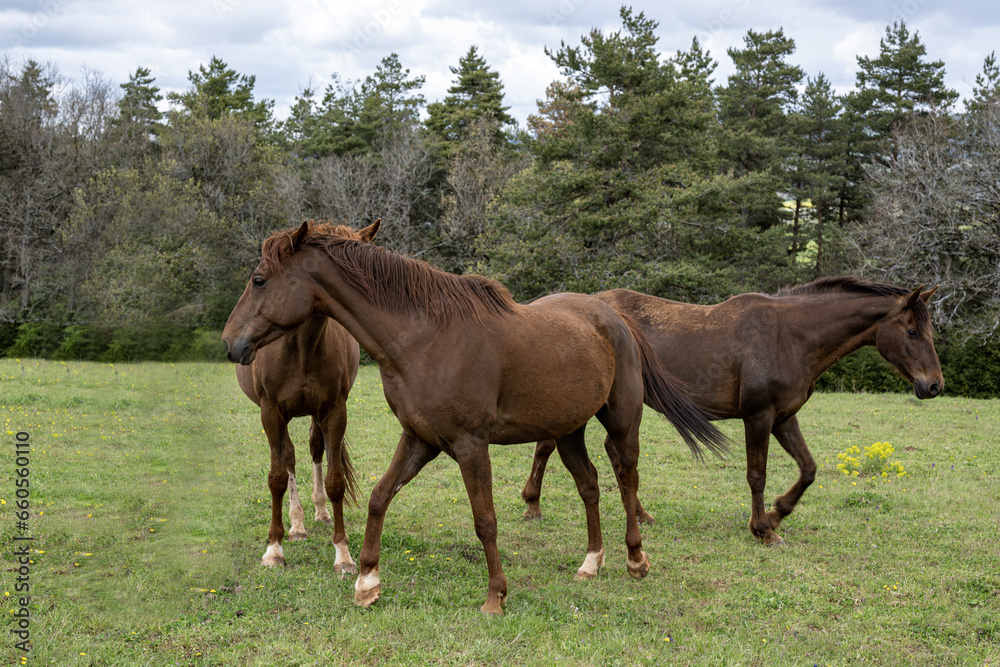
[150, 506]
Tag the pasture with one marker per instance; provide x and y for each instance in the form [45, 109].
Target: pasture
[149, 505]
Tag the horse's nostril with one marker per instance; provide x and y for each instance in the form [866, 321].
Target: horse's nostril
[934, 389]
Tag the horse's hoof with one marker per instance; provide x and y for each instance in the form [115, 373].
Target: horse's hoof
[772, 539]
[640, 569]
[296, 535]
[645, 518]
[493, 606]
[328, 520]
[532, 515]
[367, 597]
[591, 565]
[344, 569]
[272, 561]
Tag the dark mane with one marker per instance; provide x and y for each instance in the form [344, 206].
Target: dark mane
[855, 285]
[397, 283]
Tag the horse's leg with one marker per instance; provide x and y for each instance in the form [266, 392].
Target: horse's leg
[532, 491]
[332, 428]
[790, 437]
[317, 447]
[641, 515]
[758, 435]
[282, 465]
[573, 452]
[622, 446]
[412, 454]
[473, 458]
[296, 515]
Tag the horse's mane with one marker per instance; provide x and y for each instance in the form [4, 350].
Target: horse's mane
[855, 285]
[397, 283]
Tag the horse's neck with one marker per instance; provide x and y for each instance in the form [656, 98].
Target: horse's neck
[379, 331]
[836, 326]
[309, 335]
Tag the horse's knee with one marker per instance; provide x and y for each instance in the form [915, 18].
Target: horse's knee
[277, 482]
[335, 487]
[807, 474]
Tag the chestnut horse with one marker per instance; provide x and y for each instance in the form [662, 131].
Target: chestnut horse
[464, 366]
[307, 372]
[756, 358]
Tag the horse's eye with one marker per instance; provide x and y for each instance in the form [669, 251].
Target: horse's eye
[912, 333]
[258, 281]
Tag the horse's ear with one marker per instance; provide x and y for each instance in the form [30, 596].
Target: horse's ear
[926, 296]
[299, 235]
[369, 232]
[911, 299]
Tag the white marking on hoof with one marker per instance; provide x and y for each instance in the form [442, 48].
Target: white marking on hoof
[273, 557]
[344, 564]
[640, 568]
[367, 588]
[593, 563]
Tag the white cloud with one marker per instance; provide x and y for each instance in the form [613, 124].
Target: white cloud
[288, 45]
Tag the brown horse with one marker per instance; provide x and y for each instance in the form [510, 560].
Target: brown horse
[756, 358]
[464, 366]
[308, 372]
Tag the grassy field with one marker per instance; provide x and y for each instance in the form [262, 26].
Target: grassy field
[149, 507]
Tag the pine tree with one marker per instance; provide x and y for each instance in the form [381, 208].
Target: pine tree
[218, 90]
[354, 119]
[896, 84]
[752, 108]
[987, 88]
[818, 166]
[139, 118]
[477, 91]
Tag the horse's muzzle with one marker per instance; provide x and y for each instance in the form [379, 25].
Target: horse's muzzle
[240, 352]
[926, 389]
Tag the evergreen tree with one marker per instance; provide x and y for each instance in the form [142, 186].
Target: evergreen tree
[896, 84]
[624, 189]
[353, 119]
[477, 91]
[752, 109]
[138, 120]
[818, 168]
[987, 86]
[218, 90]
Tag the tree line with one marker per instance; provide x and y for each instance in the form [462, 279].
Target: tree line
[130, 218]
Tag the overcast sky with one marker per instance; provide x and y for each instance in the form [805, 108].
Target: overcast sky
[294, 44]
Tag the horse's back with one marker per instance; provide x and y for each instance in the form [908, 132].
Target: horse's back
[712, 349]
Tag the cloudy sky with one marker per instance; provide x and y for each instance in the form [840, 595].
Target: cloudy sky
[289, 45]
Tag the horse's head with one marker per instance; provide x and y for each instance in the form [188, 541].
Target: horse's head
[905, 338]
[278, 296]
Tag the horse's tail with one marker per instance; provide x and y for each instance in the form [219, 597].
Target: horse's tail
[350, 474]
[661, 392]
